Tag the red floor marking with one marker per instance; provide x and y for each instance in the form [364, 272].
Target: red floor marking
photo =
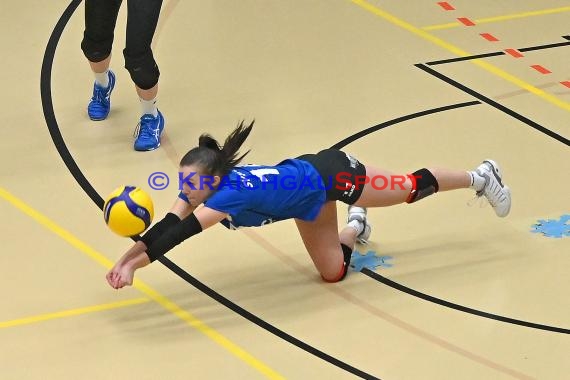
[515, 53]
[465, 21]
[541, 69]
[445, 5]
[489, 37]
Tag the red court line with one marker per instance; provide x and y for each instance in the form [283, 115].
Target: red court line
[541, 69]
[465, 21]
[445, 5]
[489, 37]
[515, 53]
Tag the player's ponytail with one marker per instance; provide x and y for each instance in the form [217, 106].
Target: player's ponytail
[233, 142]
[216, 160]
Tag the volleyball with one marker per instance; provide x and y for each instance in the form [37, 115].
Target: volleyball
[128, 211]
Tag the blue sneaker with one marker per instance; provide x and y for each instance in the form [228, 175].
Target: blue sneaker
[148, 132]
[100, 104]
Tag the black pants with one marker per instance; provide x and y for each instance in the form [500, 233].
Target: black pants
[142, 19]
[340, 173]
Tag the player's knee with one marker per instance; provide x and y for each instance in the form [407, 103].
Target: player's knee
[339, 276]
[95, 48]
[332, 279]
[424, 184]
[142, 68]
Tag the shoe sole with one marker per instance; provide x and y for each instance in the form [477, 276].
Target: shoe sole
[366, 240]
[495, 169]
[505, 213]
[149, 149]
[98, 119]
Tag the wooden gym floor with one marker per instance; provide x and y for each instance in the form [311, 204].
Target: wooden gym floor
[453, 293]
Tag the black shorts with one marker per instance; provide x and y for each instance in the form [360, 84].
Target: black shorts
[342, 174]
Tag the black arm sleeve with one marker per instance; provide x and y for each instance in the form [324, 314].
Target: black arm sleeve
[159, 228]
[174, 236]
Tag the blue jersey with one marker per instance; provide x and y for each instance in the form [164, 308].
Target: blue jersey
[254, 195]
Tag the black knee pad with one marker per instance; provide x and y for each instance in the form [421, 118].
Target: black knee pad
[95, 49]
[347, 252]
[424, 184]
[142, 68]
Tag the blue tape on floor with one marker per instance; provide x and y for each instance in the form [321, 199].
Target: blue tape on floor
[368, 260]
[553, 228]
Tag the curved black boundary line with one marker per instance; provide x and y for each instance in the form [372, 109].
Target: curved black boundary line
[367, 131]
[47, 105]
[462, 308]
[494, 104]
[260, 322]
[49, 114]
[497, 53]
[414, 292]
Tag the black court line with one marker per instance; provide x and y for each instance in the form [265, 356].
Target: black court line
[550, 46]
[497, 53]
[493, 103]
[458, 307]
[417, 293]
[377, 127]
[53, 127]
[47, 105]
[49, 114]
[260, 322]
[467, 58]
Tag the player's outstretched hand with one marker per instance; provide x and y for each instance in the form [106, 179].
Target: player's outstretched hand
[123, 277]
[111, 275]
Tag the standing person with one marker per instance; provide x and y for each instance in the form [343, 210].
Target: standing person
[306, 189]
[142, 19]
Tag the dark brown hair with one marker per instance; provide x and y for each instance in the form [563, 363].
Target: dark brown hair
[214, 159]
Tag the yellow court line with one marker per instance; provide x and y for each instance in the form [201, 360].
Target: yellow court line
[163, 301]
[500, 18]
[447, 46]
[71, 312]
